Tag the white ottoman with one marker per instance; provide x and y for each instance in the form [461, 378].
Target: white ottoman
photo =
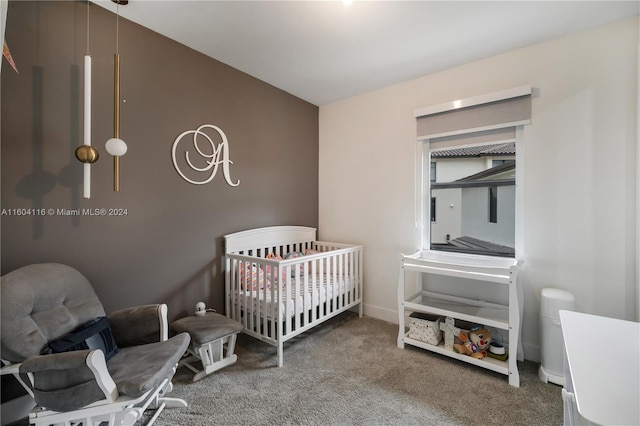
[209, 333]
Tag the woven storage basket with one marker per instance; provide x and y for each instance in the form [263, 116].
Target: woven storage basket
[425, 327]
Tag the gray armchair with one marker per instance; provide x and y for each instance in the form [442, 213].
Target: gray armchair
[45, 302]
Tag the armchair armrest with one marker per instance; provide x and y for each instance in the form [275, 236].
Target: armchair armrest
[14, 370]
[10, 369]
[69, 380]
[140, 325]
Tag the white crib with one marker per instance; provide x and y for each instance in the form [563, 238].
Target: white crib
[275, 297]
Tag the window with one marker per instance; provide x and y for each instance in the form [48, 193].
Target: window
[472, 144]
[493, 204]
[471, 196]
[433, 209]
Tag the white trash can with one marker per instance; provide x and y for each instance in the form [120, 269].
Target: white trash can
[552, 301]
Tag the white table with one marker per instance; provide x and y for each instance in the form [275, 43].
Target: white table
[602, 370]
[475, 272]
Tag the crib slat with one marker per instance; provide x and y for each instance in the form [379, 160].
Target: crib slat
[352, 278]
[330, 281]
[296, 298]
[247, 300]
[360, 280]
[243, 296]
[238, 293]
[308, 290]
[314, 286]
[323, 288]
[231, 288]
[287, 313]
[334, 278]
[340, 281]
[275, 295]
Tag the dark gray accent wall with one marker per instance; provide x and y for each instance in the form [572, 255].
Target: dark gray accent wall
[168, 246]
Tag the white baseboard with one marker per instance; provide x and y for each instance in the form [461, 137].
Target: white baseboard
[16, 409]
[531, 352]
[383, 314]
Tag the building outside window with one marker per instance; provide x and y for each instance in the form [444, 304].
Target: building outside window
[467, 216]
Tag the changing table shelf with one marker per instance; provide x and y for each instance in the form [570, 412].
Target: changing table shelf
[492, 315]
[488, 363]
[493, 270]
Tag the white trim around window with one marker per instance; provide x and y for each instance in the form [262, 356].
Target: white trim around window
[423, 160]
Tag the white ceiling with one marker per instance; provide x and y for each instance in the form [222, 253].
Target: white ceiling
[324, 51]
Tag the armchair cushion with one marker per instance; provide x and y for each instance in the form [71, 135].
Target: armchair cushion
[136, 325]
[137, 369]
[62, 381]
[44, 302]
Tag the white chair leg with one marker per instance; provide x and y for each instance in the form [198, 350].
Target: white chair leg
[174, 402]
[211, 352]
[231, 345]
[212, 355]
[152, 420]
[129, 419]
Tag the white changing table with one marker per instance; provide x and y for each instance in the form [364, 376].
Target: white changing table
[473, 270]
[602, 370]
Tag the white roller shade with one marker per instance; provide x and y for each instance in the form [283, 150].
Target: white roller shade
[480, 114]
[474, 138]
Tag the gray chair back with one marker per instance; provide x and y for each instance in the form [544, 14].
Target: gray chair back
[40, 303]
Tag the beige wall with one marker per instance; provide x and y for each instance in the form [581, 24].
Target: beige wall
[168, 247]
[580, 170]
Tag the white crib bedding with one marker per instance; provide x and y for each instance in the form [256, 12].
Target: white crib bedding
[316, 294]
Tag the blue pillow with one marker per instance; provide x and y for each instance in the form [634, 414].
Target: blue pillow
[94, 334]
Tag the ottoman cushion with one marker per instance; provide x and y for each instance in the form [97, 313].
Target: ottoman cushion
[206, 328]
[137, 369]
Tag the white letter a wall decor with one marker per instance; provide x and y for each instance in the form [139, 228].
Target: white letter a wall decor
[208, 159]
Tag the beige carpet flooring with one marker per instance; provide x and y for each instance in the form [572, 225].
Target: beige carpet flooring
[349, 371]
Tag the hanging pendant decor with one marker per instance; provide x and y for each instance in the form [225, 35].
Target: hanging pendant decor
[86, 153]
[116, 146]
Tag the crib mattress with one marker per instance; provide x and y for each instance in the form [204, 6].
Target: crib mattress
[316, 294]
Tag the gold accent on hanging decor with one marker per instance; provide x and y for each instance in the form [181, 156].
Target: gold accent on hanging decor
[87, 154]
[116, 146]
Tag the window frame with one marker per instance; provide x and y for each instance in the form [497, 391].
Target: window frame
[423, 195]
[423, 169]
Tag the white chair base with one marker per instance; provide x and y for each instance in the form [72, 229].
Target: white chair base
[124, 412]
[212, 355]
